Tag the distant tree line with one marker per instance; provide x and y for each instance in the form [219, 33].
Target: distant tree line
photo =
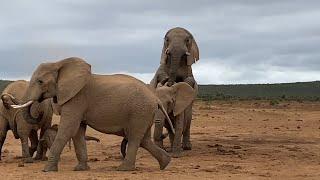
[300, 91]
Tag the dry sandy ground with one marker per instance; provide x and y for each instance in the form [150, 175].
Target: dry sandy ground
[231, 140]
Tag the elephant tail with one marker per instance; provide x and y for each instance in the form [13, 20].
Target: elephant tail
[160, 106]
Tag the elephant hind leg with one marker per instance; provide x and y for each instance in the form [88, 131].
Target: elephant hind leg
[161, 155]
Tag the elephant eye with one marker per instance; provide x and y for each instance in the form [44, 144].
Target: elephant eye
[39, 81]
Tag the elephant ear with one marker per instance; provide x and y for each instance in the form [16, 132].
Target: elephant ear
[193, 49]
[164, 56]
[73, 75]
[184, 95]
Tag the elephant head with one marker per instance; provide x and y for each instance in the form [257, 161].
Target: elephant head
[8, 100]
[179, 48]
[175, 100]
[61, 81]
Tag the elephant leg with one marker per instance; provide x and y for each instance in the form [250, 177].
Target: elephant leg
[176, 145]
[80, 147]
[68, 127]
[25, 148]
[34, 142]
[124, 147]
[4, 126]
[41, 150]
[171, 138]
[186, 143]
[135, 135]
[161, 155]
[128, 164]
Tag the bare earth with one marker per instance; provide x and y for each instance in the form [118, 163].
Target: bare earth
[231, 140]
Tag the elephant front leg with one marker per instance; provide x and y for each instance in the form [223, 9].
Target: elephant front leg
[68, 127]
[176, 145]
[80, 147]
[34, 142]
[3, 132]
[186, 143]
[41, 149]
[25, 149]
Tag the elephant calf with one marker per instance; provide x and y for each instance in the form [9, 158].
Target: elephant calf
[175, 99]
[12, 119]
[51, 133]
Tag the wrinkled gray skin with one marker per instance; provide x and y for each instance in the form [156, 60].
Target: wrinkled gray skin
[111, 104]
[175, 99]
[51, 133]
[12, 119]
[179, 52]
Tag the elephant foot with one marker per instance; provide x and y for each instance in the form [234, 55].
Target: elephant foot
[28, 160]
[50, 167]
[81, 167]
[176, 154]
[44, 158]
[187, 146]
[164, 162]
[31, 151]
[126, 166]
[38, 157]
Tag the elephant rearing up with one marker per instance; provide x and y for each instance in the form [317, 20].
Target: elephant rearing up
[179, 52]
[111, 104]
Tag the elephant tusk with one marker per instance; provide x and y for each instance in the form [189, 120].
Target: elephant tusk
[187, 53]
[166, 51]
[22, 105]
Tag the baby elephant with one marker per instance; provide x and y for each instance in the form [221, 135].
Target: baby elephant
[175, 99]
[51, 133]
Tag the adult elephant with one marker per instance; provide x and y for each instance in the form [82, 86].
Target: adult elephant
[111, 104]
[12, 119]
[179, 52]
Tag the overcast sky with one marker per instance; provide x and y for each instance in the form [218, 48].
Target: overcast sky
[240, 41]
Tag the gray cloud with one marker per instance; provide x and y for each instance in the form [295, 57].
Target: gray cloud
[241, 41]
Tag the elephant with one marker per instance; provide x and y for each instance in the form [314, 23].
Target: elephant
[179, 52]
[113, 104]
[175, 100]
[51, 133]
[12, 119]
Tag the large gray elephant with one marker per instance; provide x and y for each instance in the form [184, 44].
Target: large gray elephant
[12, 119]
[179, 52]
[111, 104]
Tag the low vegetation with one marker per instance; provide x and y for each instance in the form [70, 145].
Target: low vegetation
[300, 91]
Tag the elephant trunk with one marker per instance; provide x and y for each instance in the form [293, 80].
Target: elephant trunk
[26, 113]
[175, 62]
[158, 129]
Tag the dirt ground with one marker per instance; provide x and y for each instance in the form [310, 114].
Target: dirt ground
[231, 140]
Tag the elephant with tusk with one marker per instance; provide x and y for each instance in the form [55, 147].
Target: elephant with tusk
[112, 104]
[12, 119]
[180, 51]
